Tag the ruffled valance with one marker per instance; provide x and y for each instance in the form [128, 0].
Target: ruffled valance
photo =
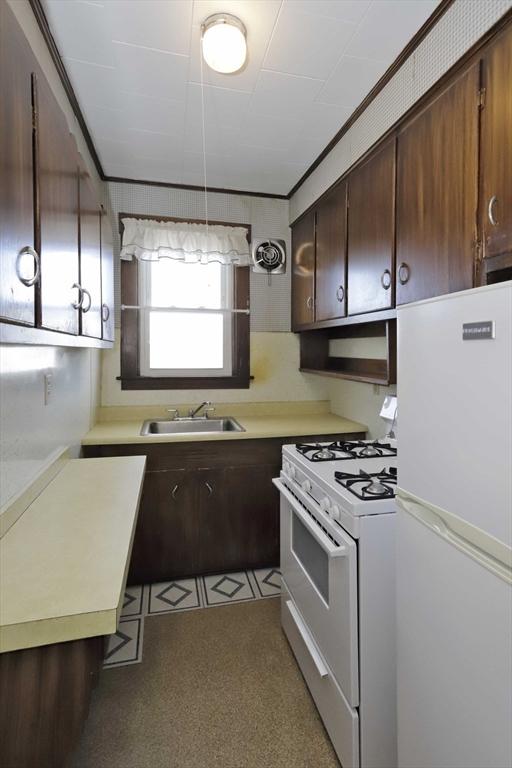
[149, 240]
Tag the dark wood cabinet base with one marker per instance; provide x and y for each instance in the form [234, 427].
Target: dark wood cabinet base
[207, 507]
[44, 701]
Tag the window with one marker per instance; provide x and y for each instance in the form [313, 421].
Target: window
[184, 349]
[185, 343]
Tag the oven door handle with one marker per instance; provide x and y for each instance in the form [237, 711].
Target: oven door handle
[314, 530]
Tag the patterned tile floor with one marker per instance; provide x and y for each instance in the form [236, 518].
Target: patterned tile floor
[125, 646]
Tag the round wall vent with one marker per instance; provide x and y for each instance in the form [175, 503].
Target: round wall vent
[269, 256]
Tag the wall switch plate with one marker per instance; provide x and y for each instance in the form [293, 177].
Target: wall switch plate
[48, 387]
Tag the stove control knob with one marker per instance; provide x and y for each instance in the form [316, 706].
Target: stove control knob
[286, 468]
[335, 512]
[325, 504]
[291, 471]
[306, 486]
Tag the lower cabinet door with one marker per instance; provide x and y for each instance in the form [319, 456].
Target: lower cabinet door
[239, 518]
[165, 544]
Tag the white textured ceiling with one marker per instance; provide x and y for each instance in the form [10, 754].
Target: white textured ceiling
[135, 67]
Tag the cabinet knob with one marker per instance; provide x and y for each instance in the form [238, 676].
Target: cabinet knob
[385, 279]
[86, 293]
[491, 211]
[404, 273]
[175, 491]
[78, 304]
[340, 293]
[309, 302]
[105, 312]
[27, 251]
[209, 487]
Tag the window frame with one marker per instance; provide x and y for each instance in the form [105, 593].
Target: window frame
[131, 377]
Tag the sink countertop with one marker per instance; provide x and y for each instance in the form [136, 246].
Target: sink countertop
[261, 426]
[63, 564]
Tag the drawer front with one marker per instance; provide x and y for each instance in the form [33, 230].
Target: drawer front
[340, 720]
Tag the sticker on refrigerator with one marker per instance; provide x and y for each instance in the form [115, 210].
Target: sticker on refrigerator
[482, 330]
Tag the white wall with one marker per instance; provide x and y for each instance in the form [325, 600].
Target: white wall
[268, 217]
[31, 432]
[274, 365]
[274, 350]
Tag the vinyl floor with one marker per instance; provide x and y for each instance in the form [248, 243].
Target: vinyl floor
[217, 688]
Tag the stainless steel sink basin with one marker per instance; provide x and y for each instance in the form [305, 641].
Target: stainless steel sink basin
[187, 426]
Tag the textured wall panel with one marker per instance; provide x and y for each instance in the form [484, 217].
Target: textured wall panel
[270, 304]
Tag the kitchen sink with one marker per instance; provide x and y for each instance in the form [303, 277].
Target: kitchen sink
[187, 426]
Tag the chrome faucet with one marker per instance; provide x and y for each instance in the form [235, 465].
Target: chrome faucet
[194, 411]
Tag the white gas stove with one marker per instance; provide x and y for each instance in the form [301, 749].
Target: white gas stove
[337, 561]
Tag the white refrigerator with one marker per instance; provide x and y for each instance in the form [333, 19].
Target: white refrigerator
[454, 531]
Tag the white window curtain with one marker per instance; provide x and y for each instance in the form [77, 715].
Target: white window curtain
[149, 240]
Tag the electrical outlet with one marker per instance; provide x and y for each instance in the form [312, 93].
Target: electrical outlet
[48, 388]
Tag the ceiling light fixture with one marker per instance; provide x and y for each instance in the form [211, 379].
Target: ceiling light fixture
[224, 45]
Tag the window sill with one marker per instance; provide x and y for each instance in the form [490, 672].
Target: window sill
[211, 382]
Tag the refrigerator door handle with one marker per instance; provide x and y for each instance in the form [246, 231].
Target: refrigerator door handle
[499, 562]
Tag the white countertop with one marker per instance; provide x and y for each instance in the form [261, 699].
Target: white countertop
[63, 564]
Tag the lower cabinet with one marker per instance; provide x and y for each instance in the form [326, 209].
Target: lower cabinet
[194, 521]
[44, 701]
[239, 526]
[207, 507]
[165, 543]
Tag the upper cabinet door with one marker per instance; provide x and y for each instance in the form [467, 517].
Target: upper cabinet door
[90, 256]
[58, 203]
[496, 147]
[19, 263]
[331, 233]
[437, 194]
[371, 230]
[303, 271]
[107, 278]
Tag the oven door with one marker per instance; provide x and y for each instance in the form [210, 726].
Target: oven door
[319, 568]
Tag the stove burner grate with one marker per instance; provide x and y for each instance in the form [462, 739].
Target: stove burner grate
[341, 450]
[366, 486]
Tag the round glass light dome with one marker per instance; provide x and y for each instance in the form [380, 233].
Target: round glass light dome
[223, 43]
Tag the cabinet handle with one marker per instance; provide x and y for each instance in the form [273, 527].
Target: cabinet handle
[404, 273]
[175, 491]
[87, 308]
[490, 211]
[309, 302]
[28, 281]
[385, 279]
[105, 313]
[340, 293]
[210, 489]
[78, 304]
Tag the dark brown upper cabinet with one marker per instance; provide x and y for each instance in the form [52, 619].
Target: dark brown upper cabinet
[303, 271]
[19, 263]
[496, 148]
[331, 236]
[90, 257]
[371, 232]
[107, 278]
[58, 201]
[437, 194]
